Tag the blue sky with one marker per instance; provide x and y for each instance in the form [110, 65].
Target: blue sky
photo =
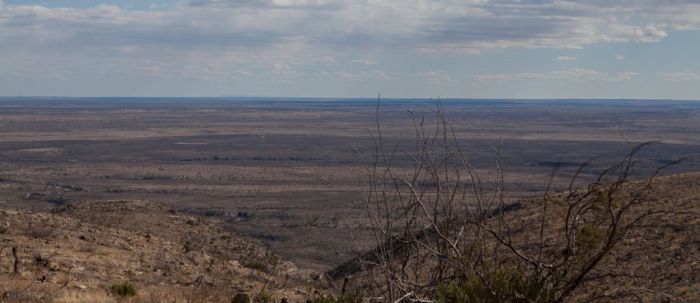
[352, 48]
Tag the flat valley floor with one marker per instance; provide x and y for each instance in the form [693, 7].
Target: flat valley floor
[290, 173]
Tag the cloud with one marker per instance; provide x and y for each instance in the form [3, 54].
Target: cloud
[680, 77]
[619, 57]
[564, 58]
[364, 75]
[578, 74]
[212, 38]
[364, 61]
[440, 25]
[438, 78]
[293, 4]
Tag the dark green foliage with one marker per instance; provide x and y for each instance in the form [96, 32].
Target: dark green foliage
[264, 297]
[241, 298]
[589, 238]
[345, 298]
[123, 290]
[505, 285]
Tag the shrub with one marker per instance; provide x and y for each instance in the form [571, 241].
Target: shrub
[259, 266]
[123, 290]
[241, 298]
[41, 231]
[264, 297]
[507, 285]
[57, 200]
[347, 298]
[42, 261]
[443, 229]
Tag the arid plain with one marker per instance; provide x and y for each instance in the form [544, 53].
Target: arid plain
[289, 173]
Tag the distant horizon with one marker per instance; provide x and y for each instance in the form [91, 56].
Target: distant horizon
[382, 98]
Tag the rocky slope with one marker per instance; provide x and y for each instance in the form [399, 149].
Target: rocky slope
[658, 260]
[79, 251]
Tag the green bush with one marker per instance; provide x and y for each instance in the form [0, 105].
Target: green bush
[264, 297]
[346, 298]
[241, 298]
[123, 290]
[589, 238]
[505, 285]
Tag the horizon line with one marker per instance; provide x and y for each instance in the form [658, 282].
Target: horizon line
[353, 98]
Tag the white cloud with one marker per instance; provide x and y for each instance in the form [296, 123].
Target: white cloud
[680, 77]
[440, 25]
[564, 58]
[385, 76]
[363, 75]
[570, 74]
[344, 75]
[364, 61]
[619, 57]
[438, 78]
[212, 38]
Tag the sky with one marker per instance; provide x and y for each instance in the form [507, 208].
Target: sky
[529, 49]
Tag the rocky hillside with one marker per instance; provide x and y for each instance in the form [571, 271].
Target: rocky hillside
[660, 257]
[140, 251]
[658, 260]
[99, 252]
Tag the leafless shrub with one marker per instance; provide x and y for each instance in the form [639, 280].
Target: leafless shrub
[256, 265]
[443, 229]
[162, 262]
[88, 247]
[39, 231]
[42, 260]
